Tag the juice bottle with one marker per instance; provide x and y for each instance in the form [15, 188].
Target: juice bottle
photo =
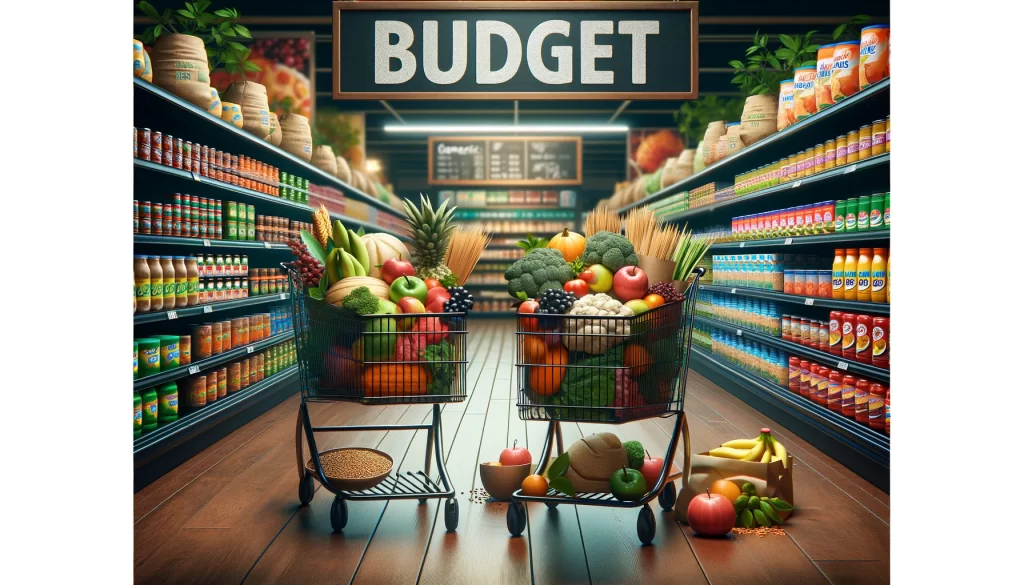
[848, 397]
[805, 378]
[821, 396]
[876, 407]
[878, 282]
[849, 322]
[812, 383]
[838, 271]
[834, 399]
[156, 283]
[167, 265]
[880, 342]
[888, 278]
[863, 339]
[888, 414]
[860, 400]
[864, 276]
[850, 275]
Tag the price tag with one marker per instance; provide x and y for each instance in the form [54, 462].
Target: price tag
[266, 245]
[208, 309]
[206, 243]
[193, 369]
[808, 302]
[788, 242]
[797, 183]
[172, 315]
[284, 296]
[842, 366]
[733, 291]
[739, 332]
[248, 349]
[850, 169]
[197, 177]
[741, 244]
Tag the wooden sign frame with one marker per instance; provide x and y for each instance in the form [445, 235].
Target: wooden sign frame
[341, 6]
[431, 180]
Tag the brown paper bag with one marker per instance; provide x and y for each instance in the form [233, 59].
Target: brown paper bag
[771, 479]
[656, 269]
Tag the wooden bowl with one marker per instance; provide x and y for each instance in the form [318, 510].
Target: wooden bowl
[501, 480]
[350, 484]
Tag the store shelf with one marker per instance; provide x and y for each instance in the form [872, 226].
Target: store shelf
[496, 286]
[823, 239]
[249, 196]
[852, 306]
[199, 366]
[206, 243]
[862, 449]
[832, 361]
[157, 452]
[207, 129]
[848, 114]
[493, 314]
[823, 180]
[210, 308]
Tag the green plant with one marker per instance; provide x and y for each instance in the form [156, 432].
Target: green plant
[219, 30]
[531, 243]
[332, 128]
[694, 116]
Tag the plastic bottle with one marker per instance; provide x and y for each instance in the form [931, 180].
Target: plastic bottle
[878, 277]
[180, 282]
[167, 264]
[849, 325]
[821, 392]
[192, 274]
[888, 278]
[835, 333]
[137, 416]
[863, 342]
[850, 275]
[838, 270]
[860, 398]
[794, 375]
[168, 403]
[142, 284]
[876, 407]
[834, 400]
[864, 276]
[848, 405]
[813, 379]
[156, 283]
[805, 378]
[149, 409]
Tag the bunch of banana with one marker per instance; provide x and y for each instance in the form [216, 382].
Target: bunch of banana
[349, 256]
[752, 510]
[764, 448]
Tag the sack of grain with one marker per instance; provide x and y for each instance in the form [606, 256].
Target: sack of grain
[295, 136]
[344, 172]
[180, 67]
[252, 97]
[714, 131]
[275, 130]
[759, 119]
[324, 159]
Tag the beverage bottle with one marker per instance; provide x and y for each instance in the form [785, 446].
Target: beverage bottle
[863, 342]
[167, 264]
[180, 282]
[888, 278]
[888, 414]
[838, 270]
[878, 281]
[835, 333]
[848, 397]
[880, 341]
[861, 392]
[813, 379]
[876, 407]
[849, 350]
[864, 276]
[142, 284]
[156, 284]
[805, 378]
[850, 275]
[821, 395]
[834, 399]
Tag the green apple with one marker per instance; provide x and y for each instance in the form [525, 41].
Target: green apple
[601, 281]
[379, 339]
[386, 307]
[408, 286]
[637, 305]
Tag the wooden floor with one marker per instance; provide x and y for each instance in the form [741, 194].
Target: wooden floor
[231, 514]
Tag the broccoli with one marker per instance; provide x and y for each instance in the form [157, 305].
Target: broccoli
[361, 301]
[537, 271]
[635, 453]
[611, 250]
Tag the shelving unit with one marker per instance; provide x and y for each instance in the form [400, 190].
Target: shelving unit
[820, 240]
[210, 308]
[207, 243]
[853, 306]
[210, 362]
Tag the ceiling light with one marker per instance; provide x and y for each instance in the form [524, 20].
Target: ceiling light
[372, 165]
[507, 128]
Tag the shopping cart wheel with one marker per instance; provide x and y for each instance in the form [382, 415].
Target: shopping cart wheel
[339, 514]
[645, 525]
[451, 514]
[515, 518]
[551, 505]
[307, 486]
[667, 497]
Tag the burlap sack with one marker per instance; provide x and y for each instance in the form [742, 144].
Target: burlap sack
[252, 97]
[296, 137]
[180, 67]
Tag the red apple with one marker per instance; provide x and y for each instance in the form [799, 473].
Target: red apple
[409, 305]
[528, 324]
[437, 330]
[436, 306]
[630, 283]
[515, 456]
[587, 275]
[577, 286]
[437, 294]
[431, 283]
[393, 268]
[711, 514]
[651, 469]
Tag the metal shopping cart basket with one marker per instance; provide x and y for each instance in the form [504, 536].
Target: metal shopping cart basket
[375, 360]
[617, 369]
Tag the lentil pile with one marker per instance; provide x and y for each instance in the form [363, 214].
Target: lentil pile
[760, 531]
[354, 464]
[478, 496]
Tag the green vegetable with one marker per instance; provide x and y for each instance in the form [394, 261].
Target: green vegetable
[652, 182]
[450, 280]
[635, 453]
[753, 503]
[688, 254]
[741, 503]
[770, 512]
[747, 519]
[537, 271]
[749, 489]
[589, 385]
[761, 518]
[780, 504]
[611, 250]
[438, 358]
[361, 301]
[577, 267]
[531, 243]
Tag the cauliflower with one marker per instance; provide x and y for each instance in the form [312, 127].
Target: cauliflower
[595, 335]
[538, 271]
[611, 250]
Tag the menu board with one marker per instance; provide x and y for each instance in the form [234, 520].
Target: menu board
[505, 161]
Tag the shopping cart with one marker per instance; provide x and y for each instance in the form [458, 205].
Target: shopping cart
[619, 369]
[376, 360]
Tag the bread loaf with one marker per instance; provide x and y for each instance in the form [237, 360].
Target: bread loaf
[593, 459]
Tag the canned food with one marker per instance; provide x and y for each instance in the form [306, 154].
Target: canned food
[186, 156]
[197, 392]
[852, 146]
[168, 148]
[204, 161]
[830, 154]
[144, 144]
[877, 137]
[819, 158]
[841, 150]
[864, 141]
[157, 147]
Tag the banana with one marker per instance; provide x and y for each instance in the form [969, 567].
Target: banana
[359, 251]
[767, 455]
[333, 267]
[357, 268]
[755, 453]
[340, 236]
[347, 263]
[742, 443]
[777, 448]
[729, 452]
[776, 458]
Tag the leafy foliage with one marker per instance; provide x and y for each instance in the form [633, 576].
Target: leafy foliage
[219, 30]
[532, 243]
[694, 116]
[438, 358]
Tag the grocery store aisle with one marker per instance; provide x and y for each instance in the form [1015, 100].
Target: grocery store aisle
[231, 514]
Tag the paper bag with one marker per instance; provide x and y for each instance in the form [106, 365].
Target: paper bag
[771, 479]
[656, 269]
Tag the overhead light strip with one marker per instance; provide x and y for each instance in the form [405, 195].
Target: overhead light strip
[507, 128]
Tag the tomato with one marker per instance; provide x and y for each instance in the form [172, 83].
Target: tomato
[528, 324]
[654, 300]
[431, 283]
[577, 286]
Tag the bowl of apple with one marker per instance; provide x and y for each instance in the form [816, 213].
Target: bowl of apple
[506, 475]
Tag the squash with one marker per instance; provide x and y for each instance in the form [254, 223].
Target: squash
[570, 244]
[382, 247]
[345, 286]
[384, 380]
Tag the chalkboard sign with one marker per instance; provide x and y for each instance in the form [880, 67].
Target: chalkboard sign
[507, 161]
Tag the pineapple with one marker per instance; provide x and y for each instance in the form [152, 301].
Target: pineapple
[430, 231]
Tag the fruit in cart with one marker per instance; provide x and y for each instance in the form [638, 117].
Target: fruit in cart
[577, 287]
[386, 307]
[628, 484]
[554, 301]
[533, 349]
[539, 270]
[546, 379]
[384, 380]
[654, 300]
[599, 278]
[460, 300]
[711, 515]
[593, 460]
[339, 236]
[528, 323]
[394, 268]
[378, 340]
[431, 283]
[409, 305]
[535, 485]
[634, 453]
[515, 455]
[666, 291]
[361, 301]
[726, 489]
[431, 330]
[596, 336]
[407, 348]
[610, 250]
[636, 358]
[348, 265]
[308, 267]
[408, 286]
[437, 297]
[570, 244]
[637, 306]
[430, 231]
[650, 468]
[382, 247]
[340, 368]
[630, 282]
[343, 288]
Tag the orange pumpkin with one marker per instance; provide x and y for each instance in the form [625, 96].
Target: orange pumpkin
[570, 244]
[395, 380]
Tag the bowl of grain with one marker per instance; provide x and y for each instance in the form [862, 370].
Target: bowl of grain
[353, 468]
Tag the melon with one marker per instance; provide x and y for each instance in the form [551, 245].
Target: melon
[345, 286]
[381, 247]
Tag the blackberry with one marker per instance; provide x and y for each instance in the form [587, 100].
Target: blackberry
[461, 301]
[667, 292]
[553, 301]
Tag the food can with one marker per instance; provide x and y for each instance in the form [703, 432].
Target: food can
[852, 146]
[863, 339]
[232, 210]
[243, 376]
[197, 391]
[186, 156]
[179, 149]
[823, 81]
[234, 169]
[217, 337]
[880, 342]
[185, 350]
[875, 221]
[202, 341]
[158, 219]
[219, 169]
[864, 141]
[222, 382]
[874, 54]
[234, 378]
[840, 217]
[886, 220]
[786, 323]
[135, 142]
[176, 220]
[819, 158]
[812, 333]
[145, 218]
[844, 76]
[212, 380]
[196, 159]
[840, 150]
[888, 134]
[835, 335]
[851, 214]
[204, 161]
[877, 137]
[863, 213]
[232, 231]
[145, 146]
[168, 219]
[830, 154]
[805, 331]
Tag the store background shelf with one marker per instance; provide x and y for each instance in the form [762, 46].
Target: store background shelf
[206, 243]
[210, 308]
[780, 244]
[862, 449]
[495, 286]
[210, 362]
[158, 452]
[832, 361]
[853, 306]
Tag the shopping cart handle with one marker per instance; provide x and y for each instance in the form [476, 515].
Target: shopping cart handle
[699, 271]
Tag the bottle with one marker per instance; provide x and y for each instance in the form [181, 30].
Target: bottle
[864, 213]
[863, 343]
[834, 399]
[167, 264]
[156, 283]
[860, 399]
[805, 378]
[821, 392]
[794, 375]
[149, 410]
[192, 276]
[864, 275]
[849, 350]
[878, 262]
[137, 416]
[888, 414]
[142, 284]
[888, 278]
[180, 282]
[876, 407]
[813, 379]
[851, 215]
[835, 334]
[880, 341]
[168, 403]
[840, 217]
[838, 271]
[850, 275]
[848, 397]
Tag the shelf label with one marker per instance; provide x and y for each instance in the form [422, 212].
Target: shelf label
[788, 242]
[208, 309]
[196, 177]
[206, 243]
[284, 296]
[739, 332]
[733, 291]
[248, 349]
[842, 366]
[797, 183]
[266, 245]
[850, 169]
[741, 244]
[193, 369]
[808, 302]
[172, 315]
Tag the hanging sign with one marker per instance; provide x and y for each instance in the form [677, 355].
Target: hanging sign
[515, 50]
[518, 161]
